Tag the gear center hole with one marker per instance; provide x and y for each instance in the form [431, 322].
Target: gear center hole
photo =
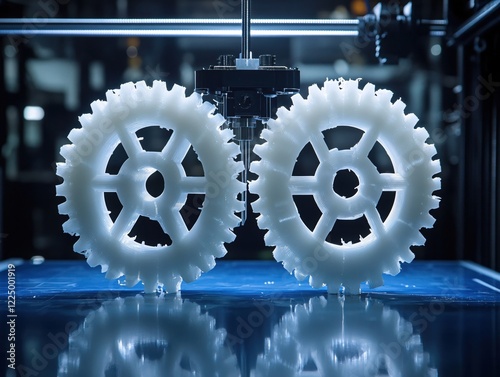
[155, 184]
[346, 183]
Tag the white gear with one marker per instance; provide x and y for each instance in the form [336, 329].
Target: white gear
[306, 252]
[148, 336]
[107, 243]
[343, 337]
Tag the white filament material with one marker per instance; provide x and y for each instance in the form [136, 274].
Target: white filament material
[306, 252]
[107, 243]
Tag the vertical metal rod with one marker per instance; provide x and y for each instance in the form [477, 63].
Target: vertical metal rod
[245, 29]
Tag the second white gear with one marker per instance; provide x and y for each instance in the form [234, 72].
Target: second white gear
[106, 242]
[306, 252]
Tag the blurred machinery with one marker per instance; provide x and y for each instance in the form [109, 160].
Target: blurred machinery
[442, 57]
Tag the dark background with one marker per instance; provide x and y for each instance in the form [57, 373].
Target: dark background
[63, 75]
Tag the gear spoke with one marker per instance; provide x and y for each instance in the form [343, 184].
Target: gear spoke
[302, 185]
[130, 142]
[376, 224]
[124, 222]
[193, 185]
[106, 182]
[173, 224]
[324, 225]
[393, 182]
[176, 148]
[320, 147]
[366, 143]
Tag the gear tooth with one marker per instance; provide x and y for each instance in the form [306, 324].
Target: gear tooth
[436, 184]
[206, 262]
[420, 135]
[67, 151]
[150, 282]
[172, 284]
[436, 168]
[330, 85]
[127, 89]
[265, 134]
[263, 222]
[399, 106]
[411, 120]
[257, 205]
[257, 150]
[81, 245]
[406, 255]
[62, 190]
[350, 92]
[217, 121]
[195, 101]
[64, 208]
[265, 153]
[368, 90]
[384, 95]
[418, 239]
[113, 274]
[279, 125]
[190, 273]
[334, 93]
[228, 236]
[76, 135]
[299, 104]
[315, 94]
[376, 281]
[428, 221]
[227, 135]
[393, 268]
[299, 275]
[219, 251]
[97, 107]
[283, 254]
[142, 86]
[112, 98]
[234, 151]
[85, 120]
[315, 282]
[366, 101]
[62, 169]
[430, 151]
[159, 85]
[159, 89]
[270, 239]
[70, 226]
[178, 91]
[435, 200]
[239, 207]
[92, 259]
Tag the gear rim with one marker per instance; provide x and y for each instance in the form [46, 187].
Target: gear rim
[114, 121]
[341, 103]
